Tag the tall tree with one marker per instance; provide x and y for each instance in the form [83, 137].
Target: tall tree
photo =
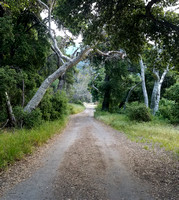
[144, 89]
[124, 24]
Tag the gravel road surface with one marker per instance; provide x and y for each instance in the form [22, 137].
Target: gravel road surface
[87, 161]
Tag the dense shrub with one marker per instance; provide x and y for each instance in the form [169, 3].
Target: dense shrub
[172, 93]
[169, 110]
[165, 108]
[53, 106]
[46, 105]
[28, 120]
[33, 119]
[138, 112]
[59, 105]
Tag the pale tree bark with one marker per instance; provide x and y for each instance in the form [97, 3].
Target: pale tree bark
[155, 98]
[12, 118]
[66, 61]
[142, 68]
[34, 102]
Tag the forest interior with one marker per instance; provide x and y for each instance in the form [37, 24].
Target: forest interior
[89, 99]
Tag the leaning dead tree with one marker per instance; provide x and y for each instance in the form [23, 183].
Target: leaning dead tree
[65, 61]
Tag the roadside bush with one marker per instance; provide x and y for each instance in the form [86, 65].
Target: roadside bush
[33, 119]
[98, 107]
[59, 105]
[54, 105]
[29, 120]
[165, 108]
[19, 114]
[46, 105]
[138, 112]
[170, 110]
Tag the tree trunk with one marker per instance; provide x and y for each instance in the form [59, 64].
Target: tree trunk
[34, 102]
[155, 98]
[12, 118]
[154, 94]
[69, 62]
[142, 67]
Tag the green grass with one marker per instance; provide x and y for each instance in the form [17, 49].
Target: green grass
[76, 108]
[13, 146]
[155, 132]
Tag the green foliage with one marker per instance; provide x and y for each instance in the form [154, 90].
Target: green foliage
[16, 6]
[23, 51]
[54, 105]
[138, 112]
[33, 119]
[75, 108]
[111, 82]
[29, 120]
[172, 93]
[155, 133]
[59, 105]
[8, 79]
[169, 110]
[13, 146]
[166, 108]
[125, 24]
[46, 105]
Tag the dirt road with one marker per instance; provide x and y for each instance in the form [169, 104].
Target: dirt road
[88, 161]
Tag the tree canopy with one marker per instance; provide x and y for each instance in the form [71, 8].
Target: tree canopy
[126, 24]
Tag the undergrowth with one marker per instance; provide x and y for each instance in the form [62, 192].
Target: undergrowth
[152, 133]
[76, 108]
[15, 145]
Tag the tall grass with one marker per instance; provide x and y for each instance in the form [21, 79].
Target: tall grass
[154, 132]
[76, 108]
[13, 146]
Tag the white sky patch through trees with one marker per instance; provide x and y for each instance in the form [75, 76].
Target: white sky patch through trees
[62, 32]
